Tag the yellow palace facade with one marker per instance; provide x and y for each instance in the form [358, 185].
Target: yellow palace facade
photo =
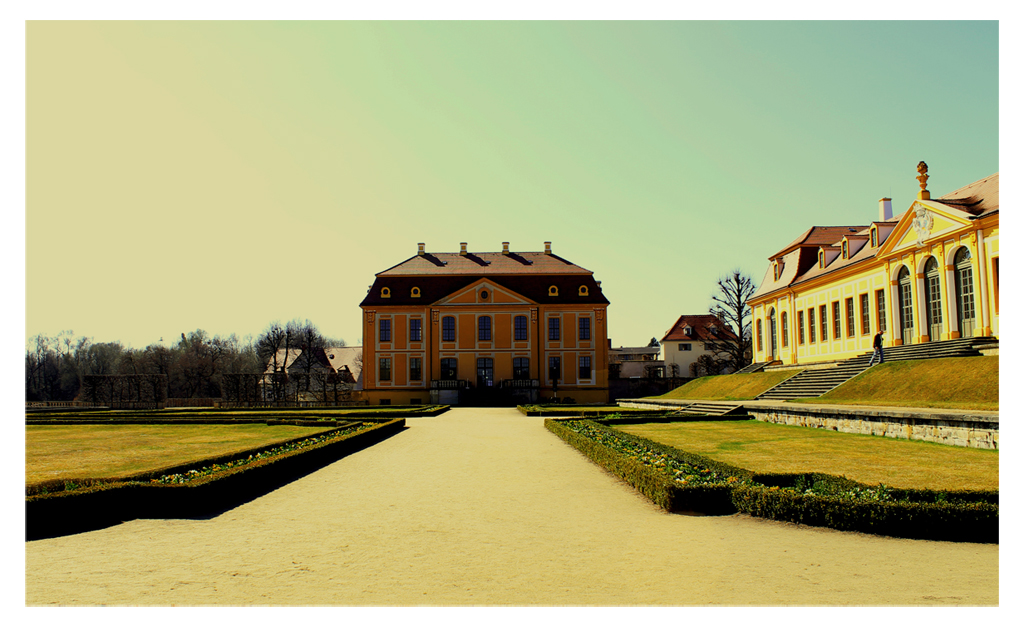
[929, 274]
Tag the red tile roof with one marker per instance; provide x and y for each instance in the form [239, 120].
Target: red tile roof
[820, 236]
[979, 198]
[481, 264]
[701, 329]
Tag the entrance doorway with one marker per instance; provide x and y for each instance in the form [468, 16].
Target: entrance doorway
[964, 279]
[906, 306]
[933, 299]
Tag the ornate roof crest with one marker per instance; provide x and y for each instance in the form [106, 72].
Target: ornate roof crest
[922, 223]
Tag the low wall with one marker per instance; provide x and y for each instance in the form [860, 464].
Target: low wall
[972, 431]
[954, 429]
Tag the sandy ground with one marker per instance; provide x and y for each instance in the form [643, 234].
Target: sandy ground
[486, 507]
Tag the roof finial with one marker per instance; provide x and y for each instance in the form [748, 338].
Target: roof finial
[922, 170]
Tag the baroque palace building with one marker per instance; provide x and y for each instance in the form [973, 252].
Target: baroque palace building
[484, 328]
[929, 274]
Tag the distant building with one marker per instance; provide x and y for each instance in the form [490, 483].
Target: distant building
[487, 328]
[634, 362]
[928, 274]
[693, 337]
[338, 366]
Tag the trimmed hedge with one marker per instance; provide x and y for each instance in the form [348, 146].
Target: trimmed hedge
[655, 485]
[97, 505]
[957, 515]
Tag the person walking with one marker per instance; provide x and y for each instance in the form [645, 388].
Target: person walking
[877, 344]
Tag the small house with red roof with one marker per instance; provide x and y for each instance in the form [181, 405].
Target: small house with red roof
[692, 337]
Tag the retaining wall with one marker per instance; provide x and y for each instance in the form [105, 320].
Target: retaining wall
[972, 431]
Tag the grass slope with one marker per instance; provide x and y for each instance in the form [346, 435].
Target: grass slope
[952, 383]
[768, 447]
[92, 451]
[729, 387]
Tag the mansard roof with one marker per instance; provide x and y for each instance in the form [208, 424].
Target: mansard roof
[534, 288]
[484, 264]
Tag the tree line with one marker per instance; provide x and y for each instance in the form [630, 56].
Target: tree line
[195, 366]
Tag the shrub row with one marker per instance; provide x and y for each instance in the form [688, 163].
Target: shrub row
[96, 504]
[815, 499]
[652, 483]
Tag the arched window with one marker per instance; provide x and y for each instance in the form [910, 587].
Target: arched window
[415, 292]
[785, 329]
[821, 258]
[484, 328]
[874, 237]
[933, 299]
[906, 315]
[846, 249]
[772, 333]
[448, 329]
[385, 292]
[963, 274]
[553, 291]
[584, 291]
[760, 337]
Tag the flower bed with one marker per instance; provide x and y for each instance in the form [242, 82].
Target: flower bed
[679, 481]
[207, 488]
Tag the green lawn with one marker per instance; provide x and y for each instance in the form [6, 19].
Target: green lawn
[952, 383]
[102, 451]
[729, 387]
[767, 447]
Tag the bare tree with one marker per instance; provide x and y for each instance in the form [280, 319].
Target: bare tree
[729, 304]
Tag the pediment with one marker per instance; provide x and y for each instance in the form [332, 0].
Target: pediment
[925, 223]
[484, 292]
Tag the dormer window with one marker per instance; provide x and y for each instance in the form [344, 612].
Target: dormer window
[821, 258]
[688, 330]
[775, 271]
[385, 292]
[584, 291]
[415, 292]
[846, 249]
[714, 329]
[553, 291]
[874, 237]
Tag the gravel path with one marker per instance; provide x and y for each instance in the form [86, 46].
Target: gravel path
[486, 507]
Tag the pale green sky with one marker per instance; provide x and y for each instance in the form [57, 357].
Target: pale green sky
[222, 175]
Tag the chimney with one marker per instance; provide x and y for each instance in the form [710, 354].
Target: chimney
[504, 248]
[547, 248]
[421, 249]
[885, 209]
[462, 250]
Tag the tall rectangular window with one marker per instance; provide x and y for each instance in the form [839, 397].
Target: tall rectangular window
[484, 328]
[520, 328]
[837, 328]
[810, 323]
[415, 330]
[449, 369]
[785, 329]
[851, 329]
[448, 329]
[880, 310]
[415, 369]
[865, 315]
[555, 368]
[995, 281]
[584, 366]
[800, 325]
[584, 328]
[823, 310]
[385, 330]
[554, 328]
[520, 368]
[384, 373]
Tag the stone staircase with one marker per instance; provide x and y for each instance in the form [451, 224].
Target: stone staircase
[757, 366]
[813, 383]
[710, 409]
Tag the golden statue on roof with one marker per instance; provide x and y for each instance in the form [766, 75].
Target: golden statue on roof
[922, 170]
